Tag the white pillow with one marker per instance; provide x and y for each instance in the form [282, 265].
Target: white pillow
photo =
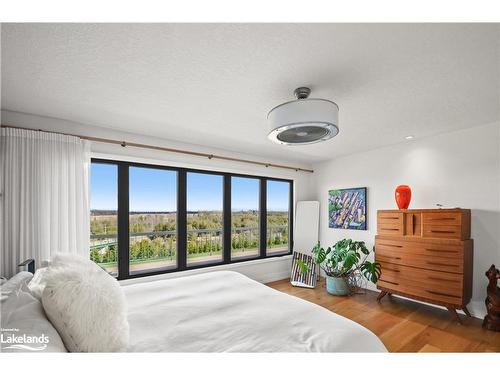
[68, 259]
[37, 283]
[87, 307]
[23, 318]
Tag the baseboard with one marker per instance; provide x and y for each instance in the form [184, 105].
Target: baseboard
[477, 309]
[275, 276]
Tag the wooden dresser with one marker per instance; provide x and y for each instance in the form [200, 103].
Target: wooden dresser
[426, 255]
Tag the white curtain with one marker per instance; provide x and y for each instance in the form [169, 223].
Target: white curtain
[44, 184]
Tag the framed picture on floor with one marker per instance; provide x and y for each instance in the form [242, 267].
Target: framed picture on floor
[347, 208]
[303, 271]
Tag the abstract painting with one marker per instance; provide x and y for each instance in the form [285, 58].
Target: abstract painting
[347, 208]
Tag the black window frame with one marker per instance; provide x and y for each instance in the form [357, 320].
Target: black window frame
[290, 217]
[123, 234]
[230, 223]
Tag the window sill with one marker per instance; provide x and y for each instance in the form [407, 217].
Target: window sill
[220, 267]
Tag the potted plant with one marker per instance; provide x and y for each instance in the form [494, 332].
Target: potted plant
[343, 262]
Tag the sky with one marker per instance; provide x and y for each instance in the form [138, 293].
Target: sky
[204, 192]
[244, 193]
[152, 189]
[278, 196]
[103, 187]
[155, 190]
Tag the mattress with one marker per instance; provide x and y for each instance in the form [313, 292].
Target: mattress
[228, 312]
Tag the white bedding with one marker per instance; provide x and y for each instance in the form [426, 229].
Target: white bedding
[228, 312]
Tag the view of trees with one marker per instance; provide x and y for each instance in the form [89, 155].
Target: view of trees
[103, 223]
[204, 234]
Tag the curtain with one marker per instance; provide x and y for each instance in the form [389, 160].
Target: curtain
[44, 205]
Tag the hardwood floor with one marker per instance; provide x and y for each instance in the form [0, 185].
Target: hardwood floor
[402, 325]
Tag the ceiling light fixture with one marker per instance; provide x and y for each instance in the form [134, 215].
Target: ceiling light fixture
[408, 137]
[303, 121]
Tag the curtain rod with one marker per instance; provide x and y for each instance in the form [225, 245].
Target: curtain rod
[167, 149]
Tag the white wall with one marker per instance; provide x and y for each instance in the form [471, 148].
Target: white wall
[262, 270]
[459, 169]
[454, 169]
[278, 268]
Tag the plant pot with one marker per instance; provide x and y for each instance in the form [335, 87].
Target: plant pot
[337, 286]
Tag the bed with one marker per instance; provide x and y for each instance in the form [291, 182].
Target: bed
[228, 312]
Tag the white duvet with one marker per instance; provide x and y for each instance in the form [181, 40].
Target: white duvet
[228, 312]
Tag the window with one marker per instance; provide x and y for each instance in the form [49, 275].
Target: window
[204, 218]
[278, 216]
[104, 216]
[245, 225]
[150, 219]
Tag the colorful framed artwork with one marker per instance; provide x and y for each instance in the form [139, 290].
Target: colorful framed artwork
[304, 276]
[347, 208]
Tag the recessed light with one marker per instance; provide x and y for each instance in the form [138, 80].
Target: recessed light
[408, 137]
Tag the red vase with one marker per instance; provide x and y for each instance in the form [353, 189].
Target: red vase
[403, 196]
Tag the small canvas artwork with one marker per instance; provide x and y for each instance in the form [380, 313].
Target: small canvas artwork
[306, 278]
[347, 208]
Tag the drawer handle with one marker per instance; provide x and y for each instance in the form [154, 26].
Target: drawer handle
[390, 229]
[442, 294]
[442, 218]
[442, 231]
[443, 251]
[441, 264]
[441, 279]
[389, 257]
[390, 269]
[386, 244]
[389, 282]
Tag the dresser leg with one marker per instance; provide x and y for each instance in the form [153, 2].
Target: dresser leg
[454, 314]
[466, 311]
[381, 295]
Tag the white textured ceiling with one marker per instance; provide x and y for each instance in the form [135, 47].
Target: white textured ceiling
[213, 84]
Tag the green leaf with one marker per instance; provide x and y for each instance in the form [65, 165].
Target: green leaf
[318, 254]
[371, 271]
[332, 263]
[351, 258]
[362, 247]
[303, 267]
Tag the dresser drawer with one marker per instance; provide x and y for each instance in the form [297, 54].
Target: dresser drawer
[390, 223]
[442, 218]
[428, 247]
[420, 260]
[433, 285]
[442, 231]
